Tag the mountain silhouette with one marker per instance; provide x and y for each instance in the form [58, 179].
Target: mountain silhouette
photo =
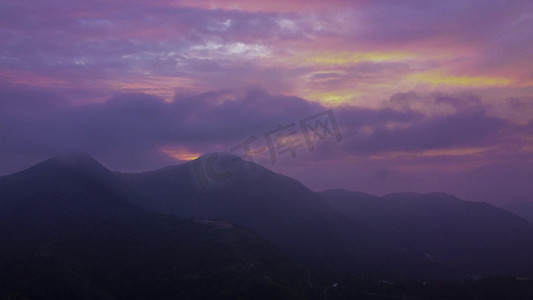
[399, 235]
[522, 209]
[220, 212]
[439, 234]
[277, 207]
[66, 235]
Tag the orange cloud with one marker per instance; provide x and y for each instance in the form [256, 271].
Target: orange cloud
[162, 86]
[180, 153]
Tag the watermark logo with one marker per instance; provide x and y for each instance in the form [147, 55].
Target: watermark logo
[282, 140]
[206, 172]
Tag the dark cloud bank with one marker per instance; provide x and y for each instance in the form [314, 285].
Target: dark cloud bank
[128, 131]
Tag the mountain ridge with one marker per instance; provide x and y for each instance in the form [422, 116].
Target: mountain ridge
[66, 235]
[397, 235]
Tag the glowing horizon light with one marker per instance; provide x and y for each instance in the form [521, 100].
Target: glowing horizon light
[180, 153]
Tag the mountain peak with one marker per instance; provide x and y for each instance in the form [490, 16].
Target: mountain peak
[220, 159]
[77, 158]
[77, 162]
[224, 162]
[222, 156]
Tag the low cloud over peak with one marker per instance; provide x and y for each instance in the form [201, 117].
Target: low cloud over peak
[133, 132]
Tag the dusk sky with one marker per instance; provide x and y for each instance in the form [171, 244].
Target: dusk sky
[427, 95]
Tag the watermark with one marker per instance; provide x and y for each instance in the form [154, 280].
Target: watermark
[282, 140]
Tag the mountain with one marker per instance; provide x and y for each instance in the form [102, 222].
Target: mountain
[438, 234]
[66, 235]
[400, 235]
[522, 209]
[279, 208]
[74, 203]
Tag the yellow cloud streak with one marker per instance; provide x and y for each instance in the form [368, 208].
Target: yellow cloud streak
[431, 153]
[343, 58]
[438, 78]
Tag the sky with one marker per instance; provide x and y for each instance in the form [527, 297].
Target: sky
[374, 96]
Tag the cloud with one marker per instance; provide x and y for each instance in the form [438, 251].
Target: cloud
[101, 48]
[100, 77]
[419, 122]
[132, 124]
[140, 123]
[466, 128]
[382, 149]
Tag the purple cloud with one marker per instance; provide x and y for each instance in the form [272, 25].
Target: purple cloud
[466, 128]
[147, 123]
[100, 76]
